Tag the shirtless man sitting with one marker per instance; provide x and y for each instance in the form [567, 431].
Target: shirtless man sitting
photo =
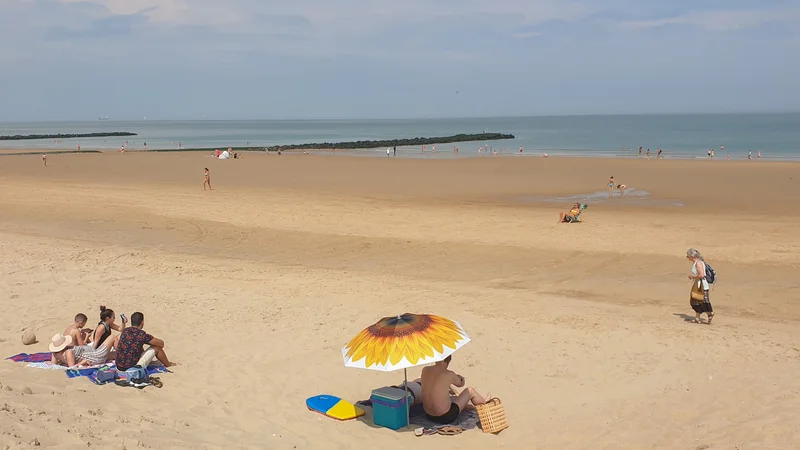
[439, 405]
[80, 335]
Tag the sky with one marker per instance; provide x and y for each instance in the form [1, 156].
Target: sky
[262, 59]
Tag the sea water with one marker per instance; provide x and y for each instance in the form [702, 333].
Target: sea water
[777, 136]
[632, 196]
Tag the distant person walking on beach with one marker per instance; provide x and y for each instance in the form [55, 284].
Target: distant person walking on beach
[611, 185]
[648, 153]
[750, 155]
[44, 159]
[520, 149]
[658, 156]
[207, 180]
[758, 155]
[395, 150]
[698, 297]
[640, 151]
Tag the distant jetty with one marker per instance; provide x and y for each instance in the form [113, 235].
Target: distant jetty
[352, 145]
[21, 137]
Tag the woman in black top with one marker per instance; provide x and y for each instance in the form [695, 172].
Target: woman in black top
[104, 327]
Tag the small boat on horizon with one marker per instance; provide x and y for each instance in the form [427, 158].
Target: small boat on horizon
[102, 118]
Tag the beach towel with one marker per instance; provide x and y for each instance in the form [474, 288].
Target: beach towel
[86, 371]
[46, 365]
[467, 419]
[91, 372]
[33, 358]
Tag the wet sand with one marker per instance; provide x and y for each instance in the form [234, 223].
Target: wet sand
[255, 287]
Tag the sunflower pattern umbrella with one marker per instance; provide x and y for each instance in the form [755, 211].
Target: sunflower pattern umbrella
[404, 341]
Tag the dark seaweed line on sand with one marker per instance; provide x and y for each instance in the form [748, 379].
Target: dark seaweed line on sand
[21, 137]
[354, 145]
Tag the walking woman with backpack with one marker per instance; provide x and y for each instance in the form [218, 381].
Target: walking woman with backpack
[701, 275]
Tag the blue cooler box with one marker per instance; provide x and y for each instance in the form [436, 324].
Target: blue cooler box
[389, 407]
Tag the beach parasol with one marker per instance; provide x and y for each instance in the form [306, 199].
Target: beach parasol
[400, 342]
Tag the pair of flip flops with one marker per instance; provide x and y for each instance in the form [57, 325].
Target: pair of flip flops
[444, 431]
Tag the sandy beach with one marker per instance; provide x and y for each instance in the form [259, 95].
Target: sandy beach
[581, 329]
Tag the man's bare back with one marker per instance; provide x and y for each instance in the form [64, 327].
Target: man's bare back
[437, 400]
[436, 381]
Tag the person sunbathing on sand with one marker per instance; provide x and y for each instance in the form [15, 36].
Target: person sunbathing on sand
[571, 215]
[439, 405]
[61, 350]
[64, 353]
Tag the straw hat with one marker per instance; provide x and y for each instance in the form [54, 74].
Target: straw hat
[60, 342]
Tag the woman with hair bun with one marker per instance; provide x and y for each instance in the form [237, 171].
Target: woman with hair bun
[106, 324]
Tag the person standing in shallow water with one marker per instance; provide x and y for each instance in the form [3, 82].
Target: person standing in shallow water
[698, 298]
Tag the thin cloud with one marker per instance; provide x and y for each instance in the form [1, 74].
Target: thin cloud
[342, 14]
[730, 20]
[527, 34]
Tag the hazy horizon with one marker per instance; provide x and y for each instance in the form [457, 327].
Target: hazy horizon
[361, 59]
[379, 119]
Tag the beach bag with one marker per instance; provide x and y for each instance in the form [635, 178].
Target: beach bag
[137, 374]
[492, 416]
[711, 274]
[697, 295]
[104, 376]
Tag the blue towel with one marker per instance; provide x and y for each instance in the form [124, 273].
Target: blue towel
[92, 373]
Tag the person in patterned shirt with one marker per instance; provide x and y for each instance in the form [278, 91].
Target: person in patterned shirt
[130, 348]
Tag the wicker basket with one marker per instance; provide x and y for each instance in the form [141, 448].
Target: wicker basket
[492, 416]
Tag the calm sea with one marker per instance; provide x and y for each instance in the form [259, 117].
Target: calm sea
[777, 136]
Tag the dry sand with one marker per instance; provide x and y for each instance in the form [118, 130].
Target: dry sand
[256, 286]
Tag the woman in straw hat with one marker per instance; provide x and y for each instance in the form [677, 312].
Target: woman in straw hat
[66, 354]
[61, 346]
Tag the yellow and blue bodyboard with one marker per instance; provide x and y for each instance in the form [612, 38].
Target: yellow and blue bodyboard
[334, 407]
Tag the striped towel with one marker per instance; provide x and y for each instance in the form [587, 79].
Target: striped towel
[46, 365]
[33, 358]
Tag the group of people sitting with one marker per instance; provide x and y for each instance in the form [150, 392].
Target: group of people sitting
[78, 346]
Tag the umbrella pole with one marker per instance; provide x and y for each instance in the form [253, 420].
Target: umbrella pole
[408, 408]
